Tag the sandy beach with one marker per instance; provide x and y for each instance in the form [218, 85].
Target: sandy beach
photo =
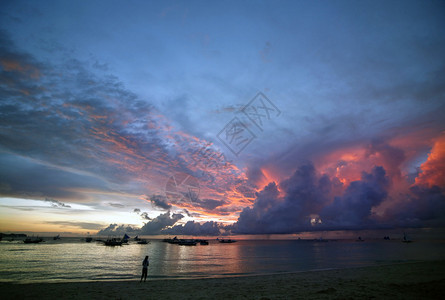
[422, 280]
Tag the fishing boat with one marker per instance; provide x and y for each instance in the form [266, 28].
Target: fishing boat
[57, 237]
[203, 242]
[33, 240]
[187, 243]
[142, 242]
[125, 239]
[228, 241]
[113, 242]
[174, 240]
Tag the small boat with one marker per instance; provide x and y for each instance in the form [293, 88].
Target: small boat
[142, 242]
[33, 240]
[187, 243]
[406, 239]
[113, 242]
[88, 239]
[203, 242]
[359, 239]
[57, 237]
[228, 241]
[174, 240]
[137, 239]
[125, 239]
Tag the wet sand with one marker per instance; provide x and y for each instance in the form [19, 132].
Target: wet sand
[422, 280]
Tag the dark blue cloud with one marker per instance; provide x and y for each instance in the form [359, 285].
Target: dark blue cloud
[309, 205]
[423, 206]
[353, 210]
[305, 194]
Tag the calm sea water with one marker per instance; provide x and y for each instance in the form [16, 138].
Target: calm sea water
[70, 259]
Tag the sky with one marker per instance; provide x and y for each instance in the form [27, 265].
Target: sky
[221, 117]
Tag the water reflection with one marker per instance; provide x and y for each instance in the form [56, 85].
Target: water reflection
[63, 261]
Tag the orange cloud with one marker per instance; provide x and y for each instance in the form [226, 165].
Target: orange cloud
[346, 164]
[433, 169]
[268, 175]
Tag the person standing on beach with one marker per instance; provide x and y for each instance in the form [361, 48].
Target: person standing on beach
[145, 265]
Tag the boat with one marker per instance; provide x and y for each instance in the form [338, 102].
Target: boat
[174, 240]
[57, 237]
[187, 243]
[359, 239]
[113, 242]
[137, 239]
[33, 240]
[142, 242]
[88, 239]
[406, 239]
[125, 239]
[203, 242]
[228, 241]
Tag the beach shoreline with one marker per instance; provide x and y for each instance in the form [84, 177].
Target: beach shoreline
[416, 280]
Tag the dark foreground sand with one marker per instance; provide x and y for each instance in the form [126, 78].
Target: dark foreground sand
[424, 280]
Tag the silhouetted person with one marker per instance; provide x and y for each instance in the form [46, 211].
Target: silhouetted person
[145, 265]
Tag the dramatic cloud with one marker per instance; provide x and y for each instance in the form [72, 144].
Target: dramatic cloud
[159, 223]
[354, 209]
[359, 142]
[86, 133]
[309, 202]
[305, 194]
[433, 170]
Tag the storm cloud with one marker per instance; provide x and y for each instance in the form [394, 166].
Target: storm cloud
[307, 202]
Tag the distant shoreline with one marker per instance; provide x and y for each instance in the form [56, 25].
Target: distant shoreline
[425, 280]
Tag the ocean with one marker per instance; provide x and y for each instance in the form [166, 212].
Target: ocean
[72, 259]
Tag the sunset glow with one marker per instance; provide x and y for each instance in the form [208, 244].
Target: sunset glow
[168, 119]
